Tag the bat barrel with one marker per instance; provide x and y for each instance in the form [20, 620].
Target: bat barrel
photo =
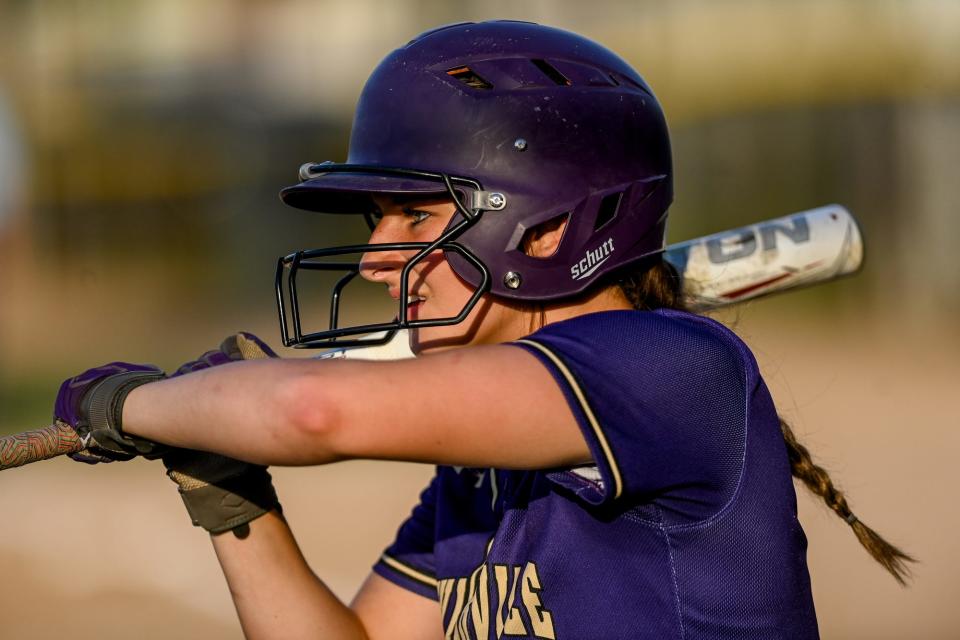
[773, 256]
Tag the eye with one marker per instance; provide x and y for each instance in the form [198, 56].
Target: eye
[416, 216]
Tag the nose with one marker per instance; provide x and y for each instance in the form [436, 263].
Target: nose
[383, 266]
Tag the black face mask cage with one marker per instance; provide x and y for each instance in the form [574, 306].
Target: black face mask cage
[317, 260]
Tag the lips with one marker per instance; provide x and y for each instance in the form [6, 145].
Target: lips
[414, 302]
[414, 307]
[411, 297]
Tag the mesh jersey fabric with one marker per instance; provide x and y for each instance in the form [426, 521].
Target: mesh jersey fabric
[685, 527]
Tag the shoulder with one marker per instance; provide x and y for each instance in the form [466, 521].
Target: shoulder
[662, 399]
[652, 341]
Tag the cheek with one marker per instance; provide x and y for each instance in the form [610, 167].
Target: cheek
[441, 279]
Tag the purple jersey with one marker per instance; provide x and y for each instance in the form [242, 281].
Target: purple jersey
[685, 527]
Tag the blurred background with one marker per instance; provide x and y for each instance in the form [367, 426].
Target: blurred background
[142, 146]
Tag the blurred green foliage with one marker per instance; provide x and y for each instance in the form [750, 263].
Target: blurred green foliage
[26, 403]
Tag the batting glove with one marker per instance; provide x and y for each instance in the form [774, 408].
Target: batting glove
[221, 493]
[92, 404]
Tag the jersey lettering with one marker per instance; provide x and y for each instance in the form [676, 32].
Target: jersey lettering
[540, 618]
[459, 598]
[480, 603]
[512, 625]
[468, 602]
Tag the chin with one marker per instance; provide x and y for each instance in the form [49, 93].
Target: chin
[475, 329]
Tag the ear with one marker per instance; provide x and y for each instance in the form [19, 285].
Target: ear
[543, 240]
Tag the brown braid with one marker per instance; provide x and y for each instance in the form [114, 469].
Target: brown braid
[818, 481]
[657, 285]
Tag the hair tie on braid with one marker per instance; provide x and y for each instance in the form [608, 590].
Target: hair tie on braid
[818, 481]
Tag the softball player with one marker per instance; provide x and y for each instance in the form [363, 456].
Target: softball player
[609, 466]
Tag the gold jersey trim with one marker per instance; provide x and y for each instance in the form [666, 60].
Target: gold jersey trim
[409, 571]
[587, 411]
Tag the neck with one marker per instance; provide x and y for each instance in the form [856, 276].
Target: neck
[607, 299]
[494, 322]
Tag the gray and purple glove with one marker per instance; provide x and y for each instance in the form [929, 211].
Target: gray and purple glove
[221, 493]
[239, 346]
[92, 404]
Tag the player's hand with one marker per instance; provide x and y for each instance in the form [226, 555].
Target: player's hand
[92, 404]
[239, 346]
[221, 493]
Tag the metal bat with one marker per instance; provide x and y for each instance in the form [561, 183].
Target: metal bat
[718, 270]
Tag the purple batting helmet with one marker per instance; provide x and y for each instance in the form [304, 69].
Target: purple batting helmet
[520, 124]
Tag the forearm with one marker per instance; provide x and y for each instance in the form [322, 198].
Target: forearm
[298, 412]
[251, 411]
[275, 592]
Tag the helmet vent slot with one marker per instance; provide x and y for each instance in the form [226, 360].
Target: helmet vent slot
[552, 72]
[468, 77]
[608, 209]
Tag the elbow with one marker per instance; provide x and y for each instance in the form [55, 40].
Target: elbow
[311, 422]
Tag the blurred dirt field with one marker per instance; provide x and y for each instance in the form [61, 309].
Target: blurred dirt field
[107, 552]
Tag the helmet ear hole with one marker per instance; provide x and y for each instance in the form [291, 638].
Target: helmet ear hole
[543, 240]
